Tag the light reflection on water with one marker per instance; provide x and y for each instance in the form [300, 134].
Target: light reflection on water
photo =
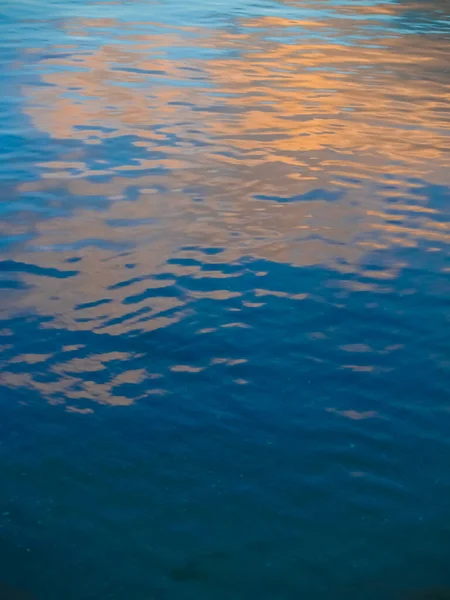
[305, 151]
[234, 218]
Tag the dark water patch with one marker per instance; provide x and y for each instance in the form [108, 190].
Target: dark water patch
[8, 592]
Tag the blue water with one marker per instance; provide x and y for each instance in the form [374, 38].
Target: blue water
[224, 272]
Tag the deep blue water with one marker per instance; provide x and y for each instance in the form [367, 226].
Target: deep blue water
[225, 317]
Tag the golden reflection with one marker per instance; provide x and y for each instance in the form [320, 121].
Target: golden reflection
[70, 381]
[299, 151]
[354, 415]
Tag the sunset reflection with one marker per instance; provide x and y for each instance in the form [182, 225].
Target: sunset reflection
[307, 141]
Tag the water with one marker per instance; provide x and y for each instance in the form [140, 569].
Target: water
[224, 299]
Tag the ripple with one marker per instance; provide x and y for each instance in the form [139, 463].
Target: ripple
[224, 310]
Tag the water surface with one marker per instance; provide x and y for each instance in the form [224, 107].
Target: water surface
[224, 272]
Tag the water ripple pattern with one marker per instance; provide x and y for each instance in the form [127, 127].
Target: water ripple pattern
[224, 299]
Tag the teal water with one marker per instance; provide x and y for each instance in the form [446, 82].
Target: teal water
[224, 273]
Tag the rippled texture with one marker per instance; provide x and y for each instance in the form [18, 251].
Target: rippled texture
[224, 289]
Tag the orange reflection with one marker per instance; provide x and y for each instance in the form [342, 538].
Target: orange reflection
[71, 381]
[335, 130]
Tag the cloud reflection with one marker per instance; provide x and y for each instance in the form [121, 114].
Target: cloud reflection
[306, 139]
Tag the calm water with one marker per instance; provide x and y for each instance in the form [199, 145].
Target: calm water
[224, 299]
